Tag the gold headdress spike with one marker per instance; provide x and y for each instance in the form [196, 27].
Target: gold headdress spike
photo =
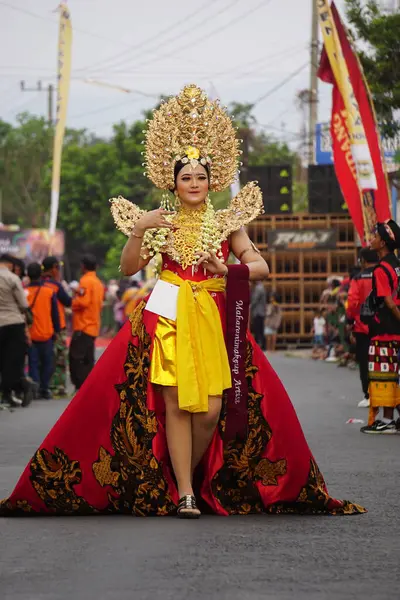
[191, 128]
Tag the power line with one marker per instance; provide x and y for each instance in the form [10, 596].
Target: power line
[268, 57]
[21, 105]
[151, 39]
[55, 21]
[265, 60]
[187, 31]
[105, 108]
[294, 134]
[203, 38]
[281, 84]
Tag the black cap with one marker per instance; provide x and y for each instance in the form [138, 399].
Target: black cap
[390, 234]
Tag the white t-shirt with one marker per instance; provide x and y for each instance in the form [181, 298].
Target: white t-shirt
[319, 326]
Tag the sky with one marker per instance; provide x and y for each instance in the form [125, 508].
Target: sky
[237, 50]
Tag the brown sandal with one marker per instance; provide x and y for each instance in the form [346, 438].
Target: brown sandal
[187, 508]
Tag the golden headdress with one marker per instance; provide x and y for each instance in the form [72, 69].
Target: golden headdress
[192, 129]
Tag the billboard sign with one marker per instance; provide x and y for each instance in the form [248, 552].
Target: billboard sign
[302, 239]
[324, 154]
[31, 245]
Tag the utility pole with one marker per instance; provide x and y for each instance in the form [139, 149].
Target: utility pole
[39, 88]
[313, 116]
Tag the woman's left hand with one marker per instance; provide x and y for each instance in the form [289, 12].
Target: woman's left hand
[210, 262]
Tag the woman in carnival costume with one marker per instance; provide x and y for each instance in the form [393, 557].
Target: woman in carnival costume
[183, 411]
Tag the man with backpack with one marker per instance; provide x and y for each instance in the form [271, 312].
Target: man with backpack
[45, 323]
[360, 288]
[51, 275]
[384, 328]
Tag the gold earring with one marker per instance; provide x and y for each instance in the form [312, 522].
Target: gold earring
[178, 203]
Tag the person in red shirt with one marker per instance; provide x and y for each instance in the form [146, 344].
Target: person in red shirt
[86, 310]
[384, 331]
[360, 288]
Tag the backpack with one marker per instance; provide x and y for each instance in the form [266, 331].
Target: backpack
[29, 311]
[372, 304]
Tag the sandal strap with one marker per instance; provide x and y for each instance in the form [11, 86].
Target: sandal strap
[187, 502]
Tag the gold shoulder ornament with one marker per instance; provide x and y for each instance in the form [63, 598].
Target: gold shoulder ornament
[243, 209]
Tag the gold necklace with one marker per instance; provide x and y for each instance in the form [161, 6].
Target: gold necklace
[194, 231]
[186, 236]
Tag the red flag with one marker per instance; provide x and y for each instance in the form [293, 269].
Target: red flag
[367, 203]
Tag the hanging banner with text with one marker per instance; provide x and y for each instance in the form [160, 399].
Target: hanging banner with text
[64, 76]
[358, 159]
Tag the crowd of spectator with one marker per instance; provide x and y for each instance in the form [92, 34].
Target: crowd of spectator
[48, 327]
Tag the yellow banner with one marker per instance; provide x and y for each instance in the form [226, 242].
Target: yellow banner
[358, 139]
[64, 76]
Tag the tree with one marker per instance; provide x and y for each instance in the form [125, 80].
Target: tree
[92, 172]
[25, 153]
[377, 39]
[259, 149]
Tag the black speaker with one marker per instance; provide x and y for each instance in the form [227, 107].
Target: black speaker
[324, 193]
[275, 182]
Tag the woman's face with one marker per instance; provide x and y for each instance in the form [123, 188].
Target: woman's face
[192, 186]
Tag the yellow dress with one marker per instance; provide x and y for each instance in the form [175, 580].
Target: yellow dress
[191, 352]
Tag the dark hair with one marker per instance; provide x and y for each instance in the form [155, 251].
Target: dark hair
[274, 296]
[18, 262]
[34, 271]
[7, 258]
[179, 166]
[369, 256]
[89, 262]
[50, 262]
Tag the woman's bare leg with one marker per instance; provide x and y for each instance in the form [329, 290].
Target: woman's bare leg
[179, 440]
[273, 342]
[203, 427]
[269, 343]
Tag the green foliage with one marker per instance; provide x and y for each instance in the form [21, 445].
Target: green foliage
[258, 148]
[376, 34]
[110, 270]
[300, 197]
[25, 153]
[242, 115]
[94, 170]
[265, 150]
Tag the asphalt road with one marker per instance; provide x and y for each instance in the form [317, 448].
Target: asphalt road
[236, 558]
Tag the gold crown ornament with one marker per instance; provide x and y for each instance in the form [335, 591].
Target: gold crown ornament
[192, 129]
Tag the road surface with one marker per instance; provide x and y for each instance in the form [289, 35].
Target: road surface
[236, 558]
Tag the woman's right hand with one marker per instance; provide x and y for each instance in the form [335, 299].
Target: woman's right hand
[154, 219]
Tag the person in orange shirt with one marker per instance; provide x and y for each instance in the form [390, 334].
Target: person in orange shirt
[86, 319]
[46, 323]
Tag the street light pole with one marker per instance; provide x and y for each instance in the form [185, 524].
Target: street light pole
[39, 88]
[313, 100]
